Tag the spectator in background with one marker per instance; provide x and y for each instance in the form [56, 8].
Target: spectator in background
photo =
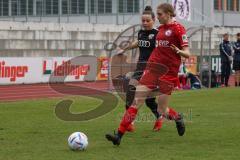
[226, 59]
[236, 60]
[182, 76]
[194, 81]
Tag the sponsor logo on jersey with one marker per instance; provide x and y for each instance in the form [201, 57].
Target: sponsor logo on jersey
[142, 43]
[162, 43]
[150, 36]
[184, 38]
[168, 33]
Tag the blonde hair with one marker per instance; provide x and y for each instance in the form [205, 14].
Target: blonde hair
[167, 8]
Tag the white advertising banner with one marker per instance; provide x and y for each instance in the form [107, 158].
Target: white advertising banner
[182, 9]
[38, 70]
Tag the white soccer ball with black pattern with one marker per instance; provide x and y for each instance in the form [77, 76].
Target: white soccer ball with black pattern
[78, 141]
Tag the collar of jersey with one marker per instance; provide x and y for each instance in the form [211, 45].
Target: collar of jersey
[170, 24]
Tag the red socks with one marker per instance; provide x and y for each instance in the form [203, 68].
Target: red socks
[172, 114]
[127, 119]
[131, 114]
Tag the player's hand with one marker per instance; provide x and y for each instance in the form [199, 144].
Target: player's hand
[120, 52]
[175, 48]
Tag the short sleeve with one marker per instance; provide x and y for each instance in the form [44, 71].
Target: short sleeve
[138, 35]
[182, 36]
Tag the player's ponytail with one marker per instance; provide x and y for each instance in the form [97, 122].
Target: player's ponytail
[148, 10]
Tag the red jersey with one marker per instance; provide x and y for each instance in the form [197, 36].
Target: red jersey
[173, 33]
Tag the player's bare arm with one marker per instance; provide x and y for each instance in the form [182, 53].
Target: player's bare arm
[184, 52]
[132, 46]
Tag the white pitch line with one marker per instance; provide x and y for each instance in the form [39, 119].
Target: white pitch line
[34, 92]
[27, 96]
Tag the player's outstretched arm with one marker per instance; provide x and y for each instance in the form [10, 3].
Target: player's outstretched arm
[133, 45]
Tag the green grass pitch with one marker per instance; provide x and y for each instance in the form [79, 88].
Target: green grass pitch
[29, 130]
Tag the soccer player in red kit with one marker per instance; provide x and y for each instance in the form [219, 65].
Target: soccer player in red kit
[146, 35]
[161, 72]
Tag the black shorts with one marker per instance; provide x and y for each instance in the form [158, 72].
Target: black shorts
[236, 65]
[137, 75]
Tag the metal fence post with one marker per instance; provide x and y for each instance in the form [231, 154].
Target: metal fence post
[26, 10]
[210, 57]
[59, 10]
[201, 54]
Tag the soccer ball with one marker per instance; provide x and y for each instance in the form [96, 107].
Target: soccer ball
[78, 141]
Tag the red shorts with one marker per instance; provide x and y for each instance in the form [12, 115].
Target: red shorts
[153, 80]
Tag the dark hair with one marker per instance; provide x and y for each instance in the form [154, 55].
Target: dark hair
[238, 34]
[167, 8]
[148, 10]
[225, 34]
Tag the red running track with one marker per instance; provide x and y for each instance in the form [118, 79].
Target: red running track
[34, 91]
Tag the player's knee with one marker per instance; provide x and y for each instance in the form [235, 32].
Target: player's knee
[130, 95]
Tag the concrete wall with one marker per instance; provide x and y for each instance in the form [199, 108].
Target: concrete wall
[202, 13]
[228, 18]
[54, 39]
[31, 39]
